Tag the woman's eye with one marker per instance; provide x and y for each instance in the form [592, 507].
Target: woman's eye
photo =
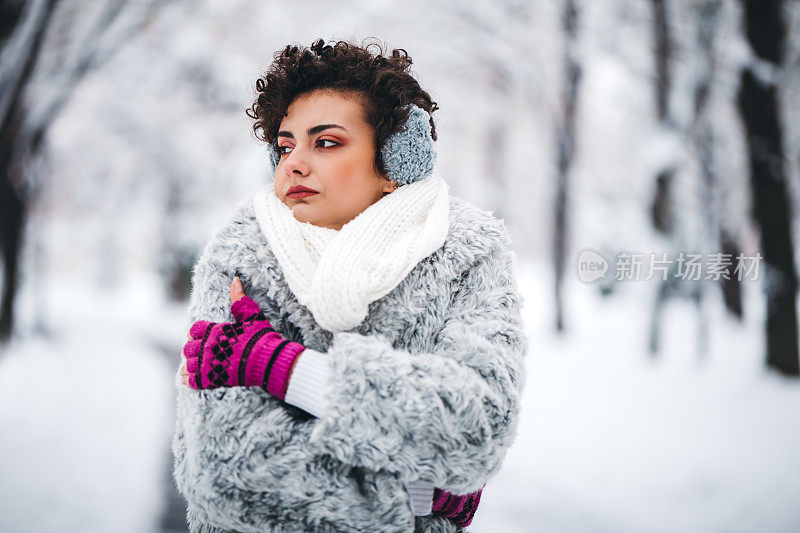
[280, 149]
[320, 141]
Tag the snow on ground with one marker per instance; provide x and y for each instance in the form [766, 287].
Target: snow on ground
[610, 438]
[86, 415]
[614, 441]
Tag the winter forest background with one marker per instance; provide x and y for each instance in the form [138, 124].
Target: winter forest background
[620, 126]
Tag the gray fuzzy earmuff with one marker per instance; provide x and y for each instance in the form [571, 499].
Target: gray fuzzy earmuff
[408, 155]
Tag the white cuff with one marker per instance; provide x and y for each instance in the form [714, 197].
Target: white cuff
[421, 495]
[308, 381]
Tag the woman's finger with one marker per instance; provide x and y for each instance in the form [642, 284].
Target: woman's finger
[184, 374]
[192, 348]
[199, 328]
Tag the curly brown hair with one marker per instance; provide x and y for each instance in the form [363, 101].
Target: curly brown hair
[383, 83]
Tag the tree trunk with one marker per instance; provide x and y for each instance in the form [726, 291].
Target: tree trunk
[662, 212]
[725, 238]
[566, 150]
[13, 202]
[759, 108]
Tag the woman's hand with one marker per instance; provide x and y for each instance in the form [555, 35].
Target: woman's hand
[237, 293]
[247, 352]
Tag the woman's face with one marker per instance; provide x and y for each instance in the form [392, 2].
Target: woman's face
[326, 146]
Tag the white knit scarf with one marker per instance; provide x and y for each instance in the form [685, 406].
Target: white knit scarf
[337, 273]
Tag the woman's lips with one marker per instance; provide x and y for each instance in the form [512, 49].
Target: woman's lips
[300, 191]
[301, 194]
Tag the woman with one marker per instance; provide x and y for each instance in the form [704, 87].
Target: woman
[367, 376]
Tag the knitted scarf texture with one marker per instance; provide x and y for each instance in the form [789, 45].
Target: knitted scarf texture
[336, 274]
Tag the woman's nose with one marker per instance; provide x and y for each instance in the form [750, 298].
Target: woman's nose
[295, 162]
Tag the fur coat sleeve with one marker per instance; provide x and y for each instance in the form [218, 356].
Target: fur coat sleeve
[446, 415]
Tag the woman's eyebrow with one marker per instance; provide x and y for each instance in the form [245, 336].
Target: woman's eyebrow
[312, 131]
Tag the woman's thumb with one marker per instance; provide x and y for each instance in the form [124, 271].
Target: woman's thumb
[237, 291]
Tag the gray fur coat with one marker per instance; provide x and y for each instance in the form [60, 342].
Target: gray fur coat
[427, 386]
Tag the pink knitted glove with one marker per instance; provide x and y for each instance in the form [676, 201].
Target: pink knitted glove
[247, 352]
[459, 509]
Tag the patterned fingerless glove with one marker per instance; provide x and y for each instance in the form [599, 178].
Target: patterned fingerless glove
[459, 509]
[247, 352]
